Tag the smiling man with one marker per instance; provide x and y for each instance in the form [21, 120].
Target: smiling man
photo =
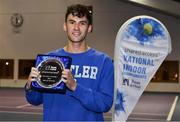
[90, 81]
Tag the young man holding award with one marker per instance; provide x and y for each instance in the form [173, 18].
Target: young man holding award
[89, 81]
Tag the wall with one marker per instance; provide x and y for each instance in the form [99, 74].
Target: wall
[42, 31]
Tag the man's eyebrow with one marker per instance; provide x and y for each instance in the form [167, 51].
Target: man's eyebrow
[84, 21]
[71, 20]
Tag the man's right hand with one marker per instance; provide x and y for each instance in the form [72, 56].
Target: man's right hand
[33, 76]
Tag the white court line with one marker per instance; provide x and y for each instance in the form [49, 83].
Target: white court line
[22, 106]
[172, 109]
[152, 114]
[136, 119]
[6, 107]
[12, 97]
[16, 112]
[33, 108]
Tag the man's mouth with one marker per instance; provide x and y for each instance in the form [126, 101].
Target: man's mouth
[76, 33]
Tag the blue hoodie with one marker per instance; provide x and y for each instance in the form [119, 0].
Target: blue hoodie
[94, 73]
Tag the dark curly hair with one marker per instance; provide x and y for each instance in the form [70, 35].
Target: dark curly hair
[79, 11]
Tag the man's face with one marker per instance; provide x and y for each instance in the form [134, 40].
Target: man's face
[76, 28]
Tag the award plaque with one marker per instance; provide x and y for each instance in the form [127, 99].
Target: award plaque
[50, 68]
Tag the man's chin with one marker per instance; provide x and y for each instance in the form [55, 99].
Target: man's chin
[76, 41]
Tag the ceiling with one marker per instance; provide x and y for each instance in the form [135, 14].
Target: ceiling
[170, 7]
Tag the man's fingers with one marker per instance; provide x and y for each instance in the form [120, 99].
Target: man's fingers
[65, 72]
[34, 74]
[64, 78]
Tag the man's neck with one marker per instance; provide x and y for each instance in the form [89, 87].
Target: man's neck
[76, 47]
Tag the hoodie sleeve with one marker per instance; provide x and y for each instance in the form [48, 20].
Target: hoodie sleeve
[34, 97]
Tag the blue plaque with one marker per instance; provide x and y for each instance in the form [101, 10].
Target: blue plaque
[50, 68]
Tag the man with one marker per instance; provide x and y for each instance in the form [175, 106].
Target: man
[90, 81]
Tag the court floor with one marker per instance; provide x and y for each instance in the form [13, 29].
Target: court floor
[150, 107]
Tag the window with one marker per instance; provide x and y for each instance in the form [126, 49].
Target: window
[25, 68]
[167, 72]
[6, 68]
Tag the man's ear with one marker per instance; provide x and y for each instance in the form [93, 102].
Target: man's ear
[90, 28]
[64, 27]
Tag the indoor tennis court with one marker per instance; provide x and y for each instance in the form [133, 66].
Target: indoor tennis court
[32, 27]
[150, 107]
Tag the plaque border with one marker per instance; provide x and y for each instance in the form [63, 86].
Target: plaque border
[61, 87]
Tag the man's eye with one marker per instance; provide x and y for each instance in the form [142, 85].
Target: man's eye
[83, 23]
[71, 22]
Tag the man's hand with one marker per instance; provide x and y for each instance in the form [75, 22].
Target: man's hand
[69, 79]
[33, 76]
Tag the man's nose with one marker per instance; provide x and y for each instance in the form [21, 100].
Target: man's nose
[76, 26]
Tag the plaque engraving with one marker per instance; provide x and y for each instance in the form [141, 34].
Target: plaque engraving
[50, 72]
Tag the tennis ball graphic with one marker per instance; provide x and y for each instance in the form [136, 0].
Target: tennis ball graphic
[148, 28]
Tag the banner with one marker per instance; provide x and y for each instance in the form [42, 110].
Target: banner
[142, 44]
